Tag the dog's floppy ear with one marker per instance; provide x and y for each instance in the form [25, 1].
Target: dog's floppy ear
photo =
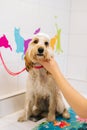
[28, 62]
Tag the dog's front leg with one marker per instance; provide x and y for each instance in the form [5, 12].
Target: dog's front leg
[52, 107]
[27, 111]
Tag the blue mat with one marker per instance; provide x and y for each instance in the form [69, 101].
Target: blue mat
[74, 124]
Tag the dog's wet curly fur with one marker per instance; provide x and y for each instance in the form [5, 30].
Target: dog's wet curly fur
[42, 95]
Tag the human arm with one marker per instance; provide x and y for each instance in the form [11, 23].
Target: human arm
[73, 97]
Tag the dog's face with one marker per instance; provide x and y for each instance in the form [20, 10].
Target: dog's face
[39, 49]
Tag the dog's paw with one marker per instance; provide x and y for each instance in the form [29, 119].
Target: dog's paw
[22, 119]
[51, 118]
[66, 114]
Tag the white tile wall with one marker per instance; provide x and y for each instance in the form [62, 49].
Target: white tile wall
[78, 45]
[80, 86]
[29, 15]
[12, 104]
[56, 4]
[77, 67]
[7, 83]
[79, 22]
[79, 5]
[77, 49]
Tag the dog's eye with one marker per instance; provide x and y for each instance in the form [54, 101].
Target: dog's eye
[46, 43]
[36, 41]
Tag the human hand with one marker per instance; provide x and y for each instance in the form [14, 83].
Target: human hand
[50, 65]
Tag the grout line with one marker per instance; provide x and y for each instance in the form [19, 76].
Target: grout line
[68, 78]
[67, 59]
[7, 96]
[75, 55]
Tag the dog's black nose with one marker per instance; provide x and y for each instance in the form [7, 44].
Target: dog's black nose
[40, 50]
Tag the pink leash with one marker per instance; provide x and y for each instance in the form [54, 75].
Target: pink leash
[11, 73]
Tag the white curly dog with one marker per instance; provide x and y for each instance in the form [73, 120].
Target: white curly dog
[42, 95]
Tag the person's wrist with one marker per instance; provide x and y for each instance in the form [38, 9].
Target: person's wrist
[53, 71]
[56, 72]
